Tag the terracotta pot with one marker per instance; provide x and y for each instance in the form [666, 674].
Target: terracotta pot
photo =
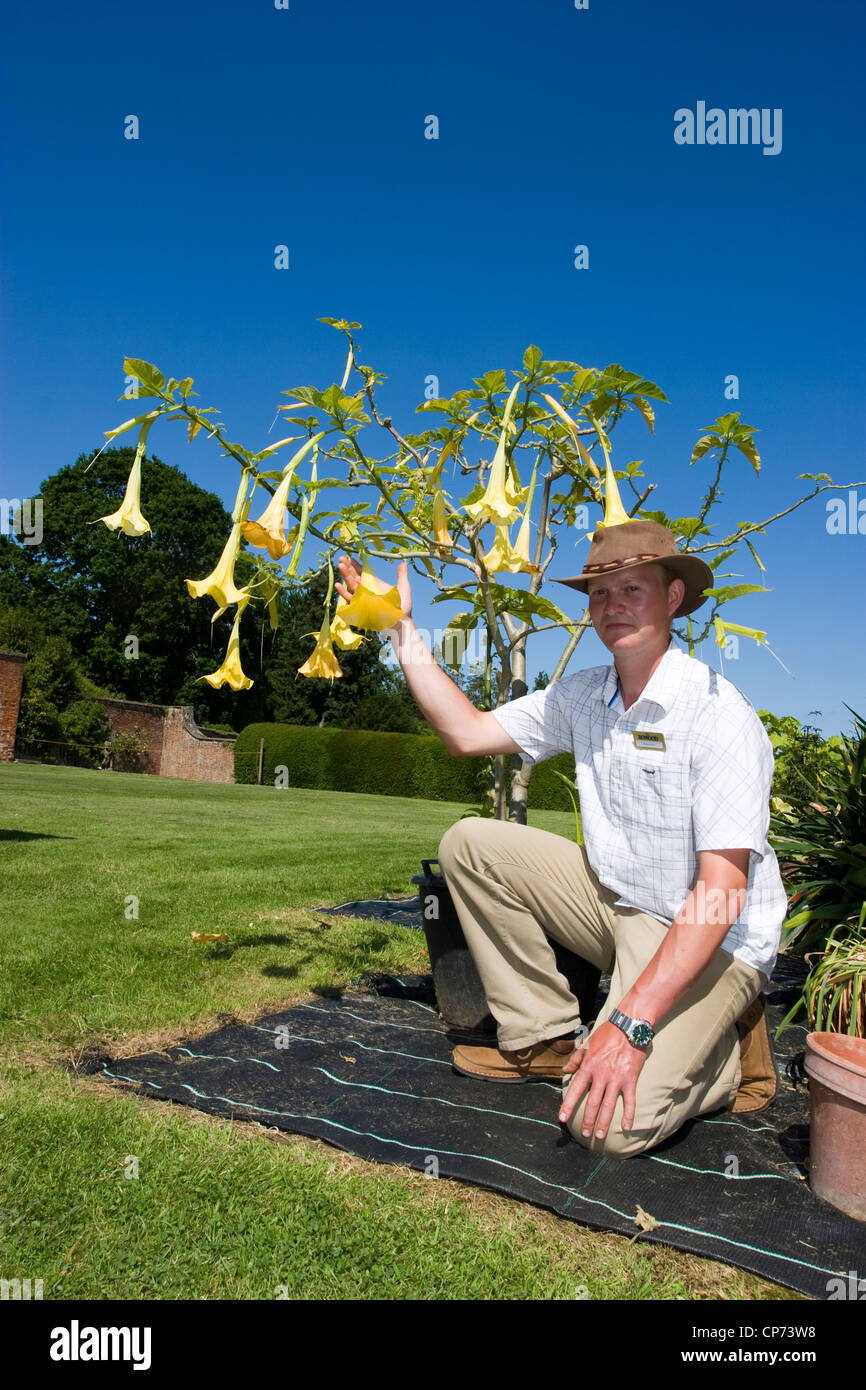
[836, 1067]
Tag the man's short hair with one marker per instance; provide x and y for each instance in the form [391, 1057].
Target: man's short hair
[668, 572]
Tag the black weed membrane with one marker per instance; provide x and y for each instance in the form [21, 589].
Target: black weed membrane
[369, 1071]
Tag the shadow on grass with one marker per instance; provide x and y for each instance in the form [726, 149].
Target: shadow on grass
[31, 835]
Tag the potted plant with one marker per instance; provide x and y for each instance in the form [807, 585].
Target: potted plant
[821, 839]
[835, 997]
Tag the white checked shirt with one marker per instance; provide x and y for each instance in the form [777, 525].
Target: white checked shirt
[648, 811]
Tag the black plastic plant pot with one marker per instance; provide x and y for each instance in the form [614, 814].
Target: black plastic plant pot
[459, 991]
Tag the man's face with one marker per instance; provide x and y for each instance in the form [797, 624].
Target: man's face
[631, 609]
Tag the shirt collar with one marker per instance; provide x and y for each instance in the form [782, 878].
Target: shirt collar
[660, 689]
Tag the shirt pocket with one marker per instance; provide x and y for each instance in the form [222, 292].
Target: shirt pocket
[652, 796]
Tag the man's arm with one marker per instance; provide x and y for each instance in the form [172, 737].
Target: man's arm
[698, 930]
[463, 729]
[609, 1065]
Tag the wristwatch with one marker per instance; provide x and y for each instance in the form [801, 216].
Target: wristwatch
[637, 1030]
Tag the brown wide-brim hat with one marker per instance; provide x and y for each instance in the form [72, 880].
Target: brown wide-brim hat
[638, 542]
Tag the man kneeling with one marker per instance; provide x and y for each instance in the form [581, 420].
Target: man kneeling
[676, 893]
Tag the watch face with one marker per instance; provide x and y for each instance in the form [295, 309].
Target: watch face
[641, 1034]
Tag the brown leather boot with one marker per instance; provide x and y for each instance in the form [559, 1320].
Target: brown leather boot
[760, 1075]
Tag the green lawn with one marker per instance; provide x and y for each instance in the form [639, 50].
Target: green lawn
[226, 1209]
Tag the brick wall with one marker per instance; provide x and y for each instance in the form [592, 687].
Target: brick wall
[125, 716]
[176, 746]
[11, 677]
[193, 754]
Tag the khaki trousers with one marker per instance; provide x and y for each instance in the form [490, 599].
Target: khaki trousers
[514, 886]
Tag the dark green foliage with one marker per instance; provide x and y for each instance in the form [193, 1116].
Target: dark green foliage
[97, 587]
[819, 836]
[384, 764]
[53, 685]
[800, 752]
[128, 750]
[84, 726]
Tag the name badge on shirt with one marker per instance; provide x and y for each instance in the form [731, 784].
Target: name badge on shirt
[645, 739]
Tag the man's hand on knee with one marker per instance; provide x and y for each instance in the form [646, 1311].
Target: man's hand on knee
[607, 1066]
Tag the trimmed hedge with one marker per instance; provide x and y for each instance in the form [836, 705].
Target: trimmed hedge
[382, 764]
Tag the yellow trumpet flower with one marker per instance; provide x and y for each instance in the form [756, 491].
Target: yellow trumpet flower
[723, 628]
[501, 500]
[341, 633]
[268, 532]
[220, 583]
[374, 606]
[502, 556]
[230, 673]
[521, 548]
[615, 513]
[322, 661]
[440, 523]
[128, 515]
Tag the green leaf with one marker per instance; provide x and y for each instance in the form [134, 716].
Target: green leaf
[151, 378]
[755, 556]
[661, 517]
[128, 424]
[463, 622]
[703, 446]
[456, 591]
[532, 358]
[720, 559]
[646, 411]
[689, 526]
[725, 424]
[737, 591]
[747, 448]
[527, 606]
[491, 382]
[582, 380]
[309, 394]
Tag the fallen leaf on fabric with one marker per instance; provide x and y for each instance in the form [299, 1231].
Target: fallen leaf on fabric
[348, 1059]
[644, 1220]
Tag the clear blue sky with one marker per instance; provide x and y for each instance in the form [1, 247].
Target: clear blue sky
[305, 126]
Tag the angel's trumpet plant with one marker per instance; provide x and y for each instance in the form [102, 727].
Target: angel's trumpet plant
[220, 583]
[128, 515]
[268, 533]
[441, 535]
[344, 637]
[521, 547]
[322, 661]
[502, 556]
[723, 628]
[374, 605]
[615, 513]
[501, 500]
[230, 673]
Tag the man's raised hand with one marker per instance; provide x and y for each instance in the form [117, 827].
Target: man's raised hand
[350, 571]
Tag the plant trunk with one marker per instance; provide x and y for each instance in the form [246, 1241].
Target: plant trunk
[520, 770]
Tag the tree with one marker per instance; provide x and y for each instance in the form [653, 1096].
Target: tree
[557, 421]
[59, 703]
[122, 604]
